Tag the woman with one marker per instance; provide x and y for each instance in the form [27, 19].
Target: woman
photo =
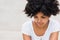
[41, 27]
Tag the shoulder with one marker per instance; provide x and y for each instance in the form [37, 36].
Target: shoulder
[26, 28]
[27, 23]
[55, 25]
[55, 22]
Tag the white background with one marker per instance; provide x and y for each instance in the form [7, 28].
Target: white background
[12, 17]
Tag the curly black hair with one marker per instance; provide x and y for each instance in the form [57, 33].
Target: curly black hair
[47, 7]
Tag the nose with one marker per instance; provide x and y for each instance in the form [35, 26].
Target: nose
[39, 20]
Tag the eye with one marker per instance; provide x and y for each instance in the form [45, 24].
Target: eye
[43, 17]
[35, 17]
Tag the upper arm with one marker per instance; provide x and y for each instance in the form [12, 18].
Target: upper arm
[26, 37]
[26, 31]
[54, 36]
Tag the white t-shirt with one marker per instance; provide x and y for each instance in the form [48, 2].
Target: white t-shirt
[27, 29]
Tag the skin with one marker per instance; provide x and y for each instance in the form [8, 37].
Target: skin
[40, 25]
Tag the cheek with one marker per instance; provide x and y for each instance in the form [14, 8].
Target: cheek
[45, 21]
[41, 21]
[35, 21]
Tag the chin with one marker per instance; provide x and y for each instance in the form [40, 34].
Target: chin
[40, 26]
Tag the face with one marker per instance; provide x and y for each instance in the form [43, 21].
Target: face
[40, 19]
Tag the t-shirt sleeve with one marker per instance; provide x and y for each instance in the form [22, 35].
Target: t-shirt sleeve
[25, 29]
[56, 27]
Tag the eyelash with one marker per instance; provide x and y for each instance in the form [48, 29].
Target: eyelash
[37, 17]
[43, 17]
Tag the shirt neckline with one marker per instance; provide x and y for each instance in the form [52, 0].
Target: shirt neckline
[44, 33]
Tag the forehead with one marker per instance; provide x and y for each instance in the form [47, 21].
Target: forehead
[40, 14]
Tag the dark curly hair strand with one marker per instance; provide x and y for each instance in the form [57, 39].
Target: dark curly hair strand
[48, 7]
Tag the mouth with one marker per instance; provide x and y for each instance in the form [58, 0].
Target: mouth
[39, 23]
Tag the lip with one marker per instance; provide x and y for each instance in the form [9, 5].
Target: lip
[39, 23]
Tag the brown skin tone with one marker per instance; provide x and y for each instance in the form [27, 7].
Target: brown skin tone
[40, 25]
